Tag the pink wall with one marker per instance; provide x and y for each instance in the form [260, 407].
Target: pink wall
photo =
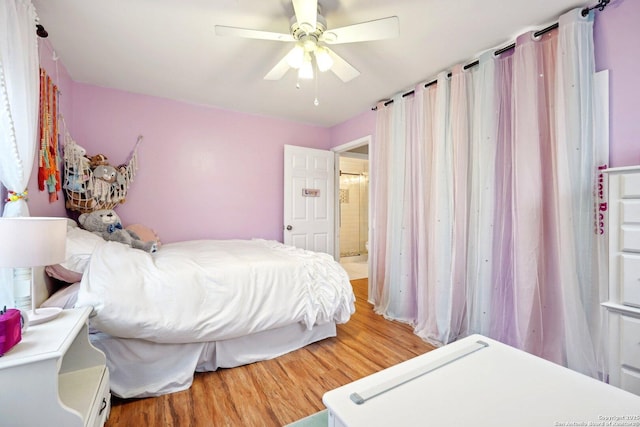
[204, 172]
[617, 47]
[356, 128]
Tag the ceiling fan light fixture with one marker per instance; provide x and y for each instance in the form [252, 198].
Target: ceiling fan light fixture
[323, 59]
[295, 57]
[307, 28]
[306, 69]
[309, 31]
[309, 43]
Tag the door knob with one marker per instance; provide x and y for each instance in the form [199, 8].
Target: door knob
[289, 228]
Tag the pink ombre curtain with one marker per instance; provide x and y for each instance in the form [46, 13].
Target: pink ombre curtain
[502, 322]
[379, 204]
[487, 210]
[535, 228]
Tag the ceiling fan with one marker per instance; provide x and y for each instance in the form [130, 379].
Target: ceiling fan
[311, 36]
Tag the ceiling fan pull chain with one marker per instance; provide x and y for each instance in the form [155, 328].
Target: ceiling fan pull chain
[317, 75]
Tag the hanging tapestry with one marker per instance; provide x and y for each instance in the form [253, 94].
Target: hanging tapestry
[48, 155]
[91, 182]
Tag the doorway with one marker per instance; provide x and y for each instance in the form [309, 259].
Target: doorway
[352, 207]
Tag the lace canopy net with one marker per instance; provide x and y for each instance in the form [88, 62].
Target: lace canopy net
[91, 183]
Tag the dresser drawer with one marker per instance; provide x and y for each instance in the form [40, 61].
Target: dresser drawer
[630, 276]
[630, 211]
[630, 380]
[630, 238]
[630, 342]
[630, 185]
[102, 405]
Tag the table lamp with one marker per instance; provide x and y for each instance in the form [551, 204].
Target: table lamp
[27, 242]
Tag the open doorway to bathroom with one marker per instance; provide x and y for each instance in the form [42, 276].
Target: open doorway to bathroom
[353, 208]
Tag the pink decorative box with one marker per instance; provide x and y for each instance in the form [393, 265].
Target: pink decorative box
[10, 329]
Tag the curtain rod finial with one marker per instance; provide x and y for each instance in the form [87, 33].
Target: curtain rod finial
[41, 32]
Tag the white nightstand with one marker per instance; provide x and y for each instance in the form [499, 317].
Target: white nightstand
[55, 377]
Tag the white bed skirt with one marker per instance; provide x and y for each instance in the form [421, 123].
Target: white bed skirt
[140, 368]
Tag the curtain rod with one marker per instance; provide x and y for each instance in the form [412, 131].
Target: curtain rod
[600, 6]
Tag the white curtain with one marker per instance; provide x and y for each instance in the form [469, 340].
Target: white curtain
[485, 201]
[394, 274]
[482, 189]
[19, 92]
[577, 179]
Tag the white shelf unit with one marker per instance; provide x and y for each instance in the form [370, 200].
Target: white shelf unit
[623, 305]
[54, 376]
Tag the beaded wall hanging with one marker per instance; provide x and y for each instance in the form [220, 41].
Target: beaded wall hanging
[48, 153]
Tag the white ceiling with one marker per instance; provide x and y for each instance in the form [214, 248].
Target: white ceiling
[168, 48]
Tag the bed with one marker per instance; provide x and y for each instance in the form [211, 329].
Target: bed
[197, 305]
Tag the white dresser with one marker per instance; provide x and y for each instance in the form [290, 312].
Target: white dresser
[55, 377]
[623, 305]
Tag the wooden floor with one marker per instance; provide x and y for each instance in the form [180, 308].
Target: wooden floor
[279, 391]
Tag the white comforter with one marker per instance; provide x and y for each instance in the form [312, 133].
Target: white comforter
[212, 290]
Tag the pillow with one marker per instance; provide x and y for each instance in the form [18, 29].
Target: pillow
[64, 298]
[80, 245]
[60, 273]
[145, 233]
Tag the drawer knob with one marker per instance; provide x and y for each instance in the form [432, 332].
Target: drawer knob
[104, 406]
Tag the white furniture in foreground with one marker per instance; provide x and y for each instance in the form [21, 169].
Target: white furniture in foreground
[30, 242]
[55, 377]
[477, 381]
[623, 305]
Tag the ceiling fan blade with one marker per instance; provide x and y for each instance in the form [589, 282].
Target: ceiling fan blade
[342, 68]
[279, 70]
[379, 29]
[222, 30]
[306, 14]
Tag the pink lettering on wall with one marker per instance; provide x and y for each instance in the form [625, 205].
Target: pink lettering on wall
[601, 201]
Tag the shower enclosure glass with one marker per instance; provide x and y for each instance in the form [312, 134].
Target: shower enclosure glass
[354, 206]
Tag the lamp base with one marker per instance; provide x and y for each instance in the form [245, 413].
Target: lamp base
[42, 315]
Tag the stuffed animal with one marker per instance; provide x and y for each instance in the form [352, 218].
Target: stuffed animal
[106, 173]
[98, 160]
[77, 167]
[106, 224]
[104, 178]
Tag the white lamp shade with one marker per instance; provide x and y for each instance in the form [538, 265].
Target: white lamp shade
[295, 57]
[323, 59]
[306, 69]
[32, 241]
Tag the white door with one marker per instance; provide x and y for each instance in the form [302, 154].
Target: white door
[309, 198]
